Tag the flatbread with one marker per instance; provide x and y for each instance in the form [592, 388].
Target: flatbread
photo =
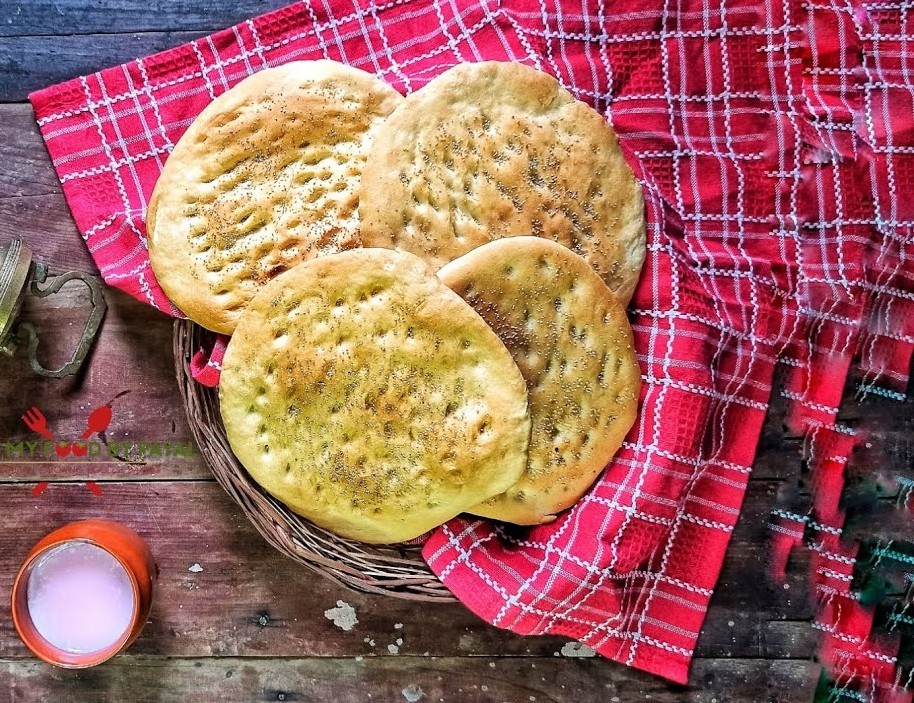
[368, 397]
[491, 150]
[266, 177]
[569, 336]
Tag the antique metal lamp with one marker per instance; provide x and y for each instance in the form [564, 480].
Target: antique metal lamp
[21, 275]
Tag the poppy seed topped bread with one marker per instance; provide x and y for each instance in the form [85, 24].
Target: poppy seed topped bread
[497, 149]
[367, 396]
[572, 341]
[267, 176]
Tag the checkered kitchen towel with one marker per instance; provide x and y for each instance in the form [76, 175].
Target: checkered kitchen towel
[775, 141]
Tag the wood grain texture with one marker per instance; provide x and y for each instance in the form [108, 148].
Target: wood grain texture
[249, 601]
[398, 679]
[131, 356]
[25, 167]
[251, 626]
[49, 215]
[56, 17]
[30, 63]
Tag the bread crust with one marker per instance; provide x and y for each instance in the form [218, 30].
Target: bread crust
[571, 339]
[265, 177]
[367, 396]
[496, 149]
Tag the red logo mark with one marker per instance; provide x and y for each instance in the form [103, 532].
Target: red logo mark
[96, 423]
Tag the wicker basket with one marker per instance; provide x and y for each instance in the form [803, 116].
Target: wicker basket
[394, 571]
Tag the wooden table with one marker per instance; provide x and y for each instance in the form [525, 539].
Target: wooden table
[232, 620]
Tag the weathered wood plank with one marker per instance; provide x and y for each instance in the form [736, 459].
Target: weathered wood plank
[133, 355]
[25, 167]
[783, 638]
[61, 17]
[136, 341]
[391, 679]
[885, 429]
[45, 222]
[744, 586]
[249, 600]
[32, 205]
[30, 63]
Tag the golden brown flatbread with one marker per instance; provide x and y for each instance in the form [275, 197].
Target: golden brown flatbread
[491, 150]
[366, 395]
[569, 336]
[266, 176]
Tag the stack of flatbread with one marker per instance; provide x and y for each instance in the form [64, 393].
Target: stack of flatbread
[426, 295]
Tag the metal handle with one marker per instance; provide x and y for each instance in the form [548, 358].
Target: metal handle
[99, 306]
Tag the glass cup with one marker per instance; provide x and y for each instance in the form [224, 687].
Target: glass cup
[130, 552]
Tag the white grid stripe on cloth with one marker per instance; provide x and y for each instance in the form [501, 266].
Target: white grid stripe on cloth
[748, 265]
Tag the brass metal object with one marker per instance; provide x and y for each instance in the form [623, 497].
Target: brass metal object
[19, 276]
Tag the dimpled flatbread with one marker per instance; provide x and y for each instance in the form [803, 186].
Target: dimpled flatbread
[569, 336]
[367, 396]
[491, 150]
[266, 177]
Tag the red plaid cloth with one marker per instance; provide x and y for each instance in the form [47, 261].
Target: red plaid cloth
[775, 147]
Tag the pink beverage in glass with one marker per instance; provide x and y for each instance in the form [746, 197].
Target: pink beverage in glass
[83, 593]
[80, 598]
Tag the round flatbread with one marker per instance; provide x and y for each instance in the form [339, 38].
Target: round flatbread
[266, 177]
[491, 150]
[569, 336]
[367, 396]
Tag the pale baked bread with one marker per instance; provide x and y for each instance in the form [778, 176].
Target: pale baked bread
[491, 150]
[571, 340]
[266, 176]
[367, 396]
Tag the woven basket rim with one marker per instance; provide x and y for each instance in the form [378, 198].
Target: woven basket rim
[398, 571]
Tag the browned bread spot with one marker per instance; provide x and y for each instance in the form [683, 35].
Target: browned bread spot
[367, 396]
[491, 150]
[569, 336]
[265, 177]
